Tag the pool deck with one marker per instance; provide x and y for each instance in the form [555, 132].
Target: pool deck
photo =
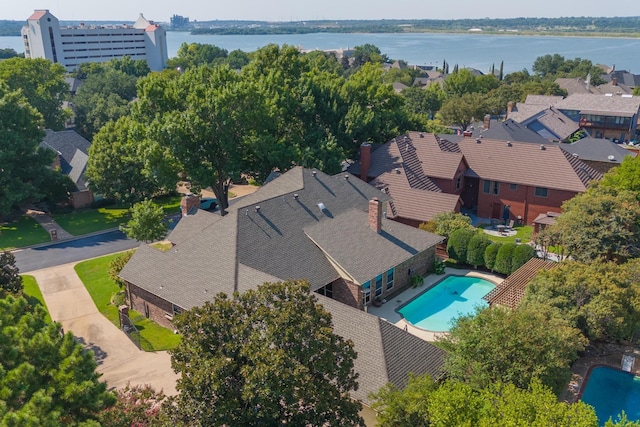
[388, 310]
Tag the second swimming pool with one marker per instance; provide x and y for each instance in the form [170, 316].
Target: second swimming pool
[451, 297]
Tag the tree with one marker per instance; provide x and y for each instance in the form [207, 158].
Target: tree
[146, 223]
[490, 255]
[22, 164]
[42, 84]
[504, 258]
[117, 264]
[117, 167]
[624, 177]
[139, 406]
[463, 110]
[521, 254]
[265, 357]
[448, 222]
[8, 53]
[367, 53]
[407, 407]
[425, 102]
[459, 242]
[602, 299]
[10, 279]
[195, 54]
[48, 379]
[476, 249]
[459, 83]
[601, 223]
[512, 346]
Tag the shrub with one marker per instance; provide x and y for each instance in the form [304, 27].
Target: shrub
[458, 243]
[429, 226]
[503, 259]
[490, 254]
[477, 246]
[521, 254]
[117, 264]
[438, 266]
[448, 222]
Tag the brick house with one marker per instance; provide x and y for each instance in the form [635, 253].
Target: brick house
[328, 230]
[426, 175]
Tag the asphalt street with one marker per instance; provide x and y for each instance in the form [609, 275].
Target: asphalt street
[72, 250]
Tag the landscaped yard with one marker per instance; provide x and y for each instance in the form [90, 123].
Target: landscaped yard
[86, 221]
[94, 274]
[23, 232]
[33, 294]
[523, 232]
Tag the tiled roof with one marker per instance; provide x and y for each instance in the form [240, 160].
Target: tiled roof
[386, 353]
[410, 203]
[74, 153]
[509, 293]
[526, 164]
[37, 14]
[598, 150]
[600, 104]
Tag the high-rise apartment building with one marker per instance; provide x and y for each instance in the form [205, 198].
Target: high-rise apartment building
[44, 38]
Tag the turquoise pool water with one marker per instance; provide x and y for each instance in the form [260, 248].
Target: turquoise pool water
[451, 297]
[612, 391]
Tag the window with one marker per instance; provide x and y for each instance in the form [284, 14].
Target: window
[390, 278]
[458, 181]
[541, 192]
[513, 187]
[379, 285]
[177, 309]
[366, 292]
[327, 290]
[491, 187]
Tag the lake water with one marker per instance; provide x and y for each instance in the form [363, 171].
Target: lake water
[467, 50]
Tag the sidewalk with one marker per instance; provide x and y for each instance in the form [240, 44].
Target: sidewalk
[119, 360]
[48, 223]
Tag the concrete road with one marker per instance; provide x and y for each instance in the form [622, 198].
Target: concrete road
[72, 251]
[119, 360]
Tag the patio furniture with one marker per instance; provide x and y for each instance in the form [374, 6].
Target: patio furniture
[511, 223]
[501, 229]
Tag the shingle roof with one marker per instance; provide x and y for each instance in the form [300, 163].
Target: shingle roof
[393, 245]
[509, 293]
[545, 100]
[556, 122]
[624, 77]
[411, 203]
[522, 111]
[600, 104]
[598, 150]
[386, 353]
[526, 164]
[269, 243]
[74, 153]
[510, 130]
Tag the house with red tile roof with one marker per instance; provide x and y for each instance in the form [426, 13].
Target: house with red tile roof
[425, 175]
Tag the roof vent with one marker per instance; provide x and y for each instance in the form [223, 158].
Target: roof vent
[314, 172]
[397, 170]
[322, 206]
[421, 135]
[346, 176]
[478, 140]
[542, 147]
[575, 155]
[611, 157]
[257, 208]
[295, 196]
[509, 144]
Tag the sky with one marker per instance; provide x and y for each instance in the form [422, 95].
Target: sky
[299, 10]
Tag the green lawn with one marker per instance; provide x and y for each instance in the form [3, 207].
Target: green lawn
[33, 294]
[23, 232]
[170, 204]
[523, 232]
[94, 273]
[86, 221]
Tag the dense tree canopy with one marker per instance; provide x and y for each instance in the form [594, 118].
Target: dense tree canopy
[23, 165]
[146, 223]
[424, 403]
[512, 346]
[47, 379]
[265, 357]
[10, 280]
[43, 85]
[602, 299]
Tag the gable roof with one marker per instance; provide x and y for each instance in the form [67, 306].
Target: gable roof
[510, 130]
[264, 238]
[600, 104]
[624, 77]
[386, 353]
[545, 100]
[526, 164]
[552, 124]
[509, 293]
[598, 150]
[73, 150]
[522, 111]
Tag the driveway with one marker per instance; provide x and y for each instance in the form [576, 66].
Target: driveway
[119, 360]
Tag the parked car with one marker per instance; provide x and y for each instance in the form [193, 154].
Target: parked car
[208, 204]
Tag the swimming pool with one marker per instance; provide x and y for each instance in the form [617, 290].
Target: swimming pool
[451, 297]
[612, 391]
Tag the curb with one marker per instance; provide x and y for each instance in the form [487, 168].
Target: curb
[42, 245]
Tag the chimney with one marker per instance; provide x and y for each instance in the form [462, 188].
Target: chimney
[365, 160]
[614, 81]
[189, 203]
[487, 121]
[467, 134]
[375, 214]
[509, 109]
